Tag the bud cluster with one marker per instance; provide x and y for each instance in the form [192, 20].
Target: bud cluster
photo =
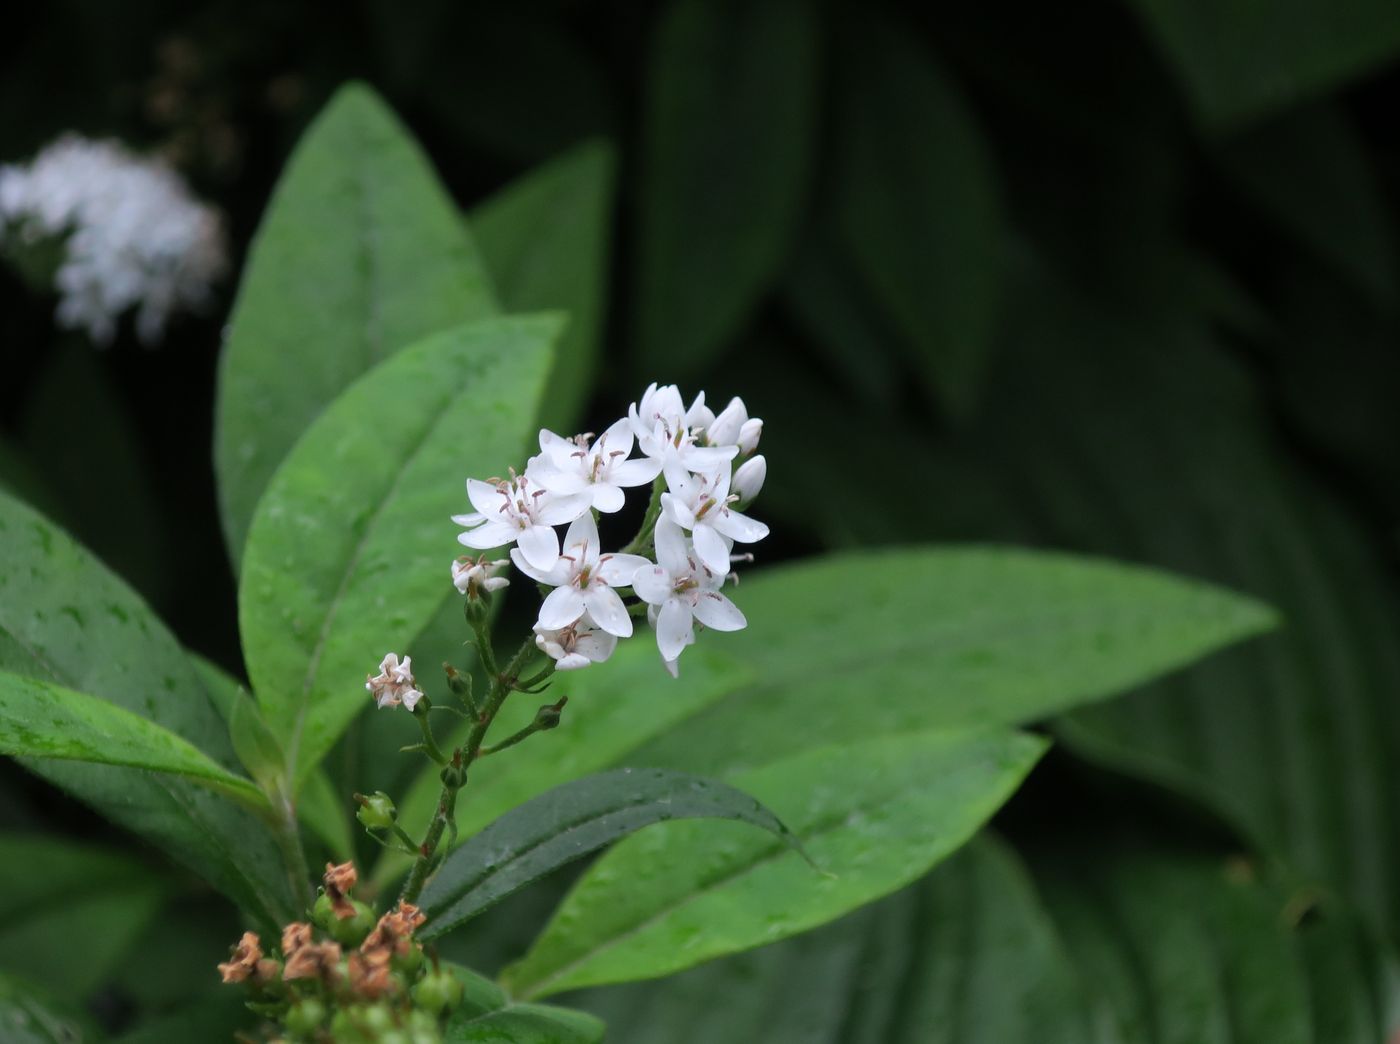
[346, 977]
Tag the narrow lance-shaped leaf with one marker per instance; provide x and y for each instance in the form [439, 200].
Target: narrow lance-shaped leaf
[66, 619]
[348, 556]
[41, 720]
[361, 253]
[487, 1016]
[874, 815]
[569, 822]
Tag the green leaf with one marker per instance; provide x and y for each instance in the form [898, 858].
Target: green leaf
[965, 956]
[488, 1015]
[726, 140]
[217, 1017]
[348, 554]
[546, 239]
[611, 713]
[918, 206]
[361, 253]
[567, 823]
[874, 816]
[1309, 172]
[1193, 947]
[66, 619]
[41, 720]
[30, 1017]
[255, 744]
[54, 891]
[944, 638]
[1239, 61]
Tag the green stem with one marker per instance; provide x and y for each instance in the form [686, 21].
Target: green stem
[545, 719]
[454, 776]
[430, 746]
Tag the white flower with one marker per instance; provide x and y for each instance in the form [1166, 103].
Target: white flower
[665, 429]
[734, 427]
[683, 590]
[583, 581]
[394, 684]
[577, 645]
[600, 470]
[133, 236]
[468, 571]
[513, 513]
[700, 504]
[748, 479]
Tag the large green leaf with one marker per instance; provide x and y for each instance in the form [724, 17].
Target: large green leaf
[1203, 949]
[726, 141]
[30, 1017]
[66, 620]
[918, 205]
[873, 816]
[215, 1018]
[488, 1016]
[54, 891]
[1239, 60]
[545, 239]
[348, 554]
[361, 253]
[569, 822]
[41, 720]
[965, 956]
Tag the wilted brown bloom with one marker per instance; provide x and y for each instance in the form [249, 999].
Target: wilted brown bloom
[295, 936]
[369, 973]
[244, 960]
[394, 930]
[339, 881]
[312, 961]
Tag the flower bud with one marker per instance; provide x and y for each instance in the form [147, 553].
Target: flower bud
[459, 683]
[323, 911]
[438, 991]
[305, 1017]
[351, 931]
[724, 429]
[748, 479]
[748, 436]
[547, 717]
[376, 812]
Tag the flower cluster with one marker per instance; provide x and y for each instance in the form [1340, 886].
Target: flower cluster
[369, 979]
[394, 684]
[132, 235]
[702, 468]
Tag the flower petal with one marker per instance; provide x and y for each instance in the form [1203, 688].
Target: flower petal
[607, 497]
[555, 510]
[488, 535]
[710, 546]
[677, 510]
[714, 610]
[572, 662]
[562, 607]
[617, 570]
[553, 577]
[652, 584]
[636, 472]
[539, 545]
[671, 552]
[607, 609]
[581, 541]
[485, 497]
[739, 526]
[673, 629]
[617, 439]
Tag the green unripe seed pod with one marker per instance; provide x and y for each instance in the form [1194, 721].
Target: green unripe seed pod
[351, 931]
[438, 992]
[410, 963]
[322, 913]
[306, 1016]
[377, 812]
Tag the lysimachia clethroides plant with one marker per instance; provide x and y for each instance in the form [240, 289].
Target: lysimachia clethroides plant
[757, 760]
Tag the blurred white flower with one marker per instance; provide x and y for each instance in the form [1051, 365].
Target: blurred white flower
[133, 236]
[394, 684]
[682, 591]
[468, 572]
[577, 645]
[514, 513]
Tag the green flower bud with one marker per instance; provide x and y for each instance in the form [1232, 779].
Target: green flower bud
[547, 717]
[438, 992]
[305, 1017]
[410, 963]
[459, 683]
[351, 931]
[322, 912]
[344, 1029]
[376, 812]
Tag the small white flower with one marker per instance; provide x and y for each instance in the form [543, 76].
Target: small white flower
[734, 427]
[682, 591]
[468, 571]
[394, 684]
[577, 645]
[583, 581]
[514, 513]
[666, 430]
[748, 479]
[749, 432]
[600, 470]
[700, 504]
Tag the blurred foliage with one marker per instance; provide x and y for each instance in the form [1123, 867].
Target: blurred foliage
[1119, 278]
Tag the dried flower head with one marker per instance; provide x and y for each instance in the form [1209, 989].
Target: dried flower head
[313, 961]
[244, 961]
[339, 880]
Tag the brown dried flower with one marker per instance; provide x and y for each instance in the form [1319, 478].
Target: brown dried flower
[394, 930]
[244, 959]
[295, 936]
[369, 973]
[312, 961]
[339, 881]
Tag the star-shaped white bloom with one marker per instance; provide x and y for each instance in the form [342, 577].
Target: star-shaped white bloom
[583, 581]
[601, 470]
[683, 590]
[394, 684]
[700, 504]
[515, 512]
[468, 572]
[734, 427]
[577, 645]
[666, 430]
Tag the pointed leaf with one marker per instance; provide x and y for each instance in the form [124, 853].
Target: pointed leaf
[727, 135]
[545, 239]
[873, 815]
[66, 619]
[488, 1015]
[569, 822]
[28, 1016]
[361, 253]
[348, 555]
